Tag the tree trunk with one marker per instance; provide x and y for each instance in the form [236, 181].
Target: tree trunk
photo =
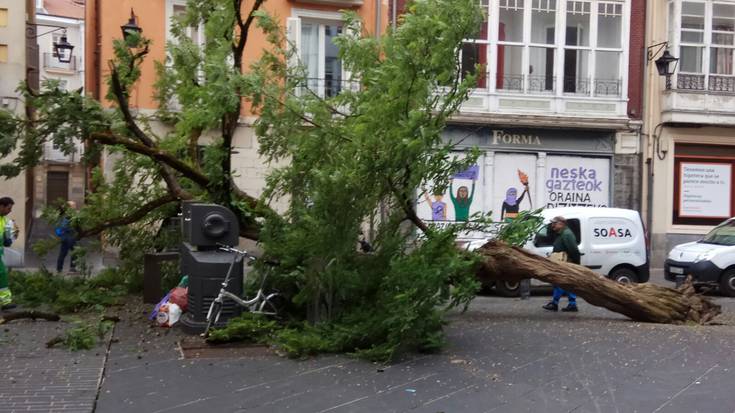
[640, 302]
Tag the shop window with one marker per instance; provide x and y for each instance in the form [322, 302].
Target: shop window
[703, 184]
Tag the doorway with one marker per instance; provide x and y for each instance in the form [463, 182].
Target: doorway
[57, 187]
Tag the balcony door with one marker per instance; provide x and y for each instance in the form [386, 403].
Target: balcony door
[320, 56]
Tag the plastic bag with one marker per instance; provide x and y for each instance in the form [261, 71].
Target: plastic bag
[179, 296]
[168, 315]
[158, 306]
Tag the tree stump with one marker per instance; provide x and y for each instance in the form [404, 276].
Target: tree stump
[640, 302]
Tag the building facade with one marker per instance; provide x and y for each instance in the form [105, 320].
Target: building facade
[690, 126]
[60, 177]
[312, 25]
[557, 108]
[17, 64]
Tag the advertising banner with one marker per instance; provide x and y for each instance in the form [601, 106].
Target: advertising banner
[577, 181]
[705, 190]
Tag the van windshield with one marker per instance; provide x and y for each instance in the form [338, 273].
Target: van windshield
[723, 234]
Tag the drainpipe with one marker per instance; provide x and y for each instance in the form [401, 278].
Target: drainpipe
[378, 10]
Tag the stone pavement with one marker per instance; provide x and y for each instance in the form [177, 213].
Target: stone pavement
[503, 355]
[34, 378]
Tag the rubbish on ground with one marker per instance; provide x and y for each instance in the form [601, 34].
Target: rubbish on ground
[178, 296]
[168, 315]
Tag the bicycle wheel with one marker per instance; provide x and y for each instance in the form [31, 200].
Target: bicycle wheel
[212, 316]
[272, 305]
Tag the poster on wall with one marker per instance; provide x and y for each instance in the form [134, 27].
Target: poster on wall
[704, 190]
[577, 181]
[514, 185]
[454, 203]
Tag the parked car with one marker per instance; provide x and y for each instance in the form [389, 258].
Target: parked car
[709, 261]
[612, 242]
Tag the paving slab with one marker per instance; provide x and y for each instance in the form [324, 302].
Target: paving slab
[34, 378]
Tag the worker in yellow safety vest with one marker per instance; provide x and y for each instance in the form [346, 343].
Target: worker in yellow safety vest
[8, 232]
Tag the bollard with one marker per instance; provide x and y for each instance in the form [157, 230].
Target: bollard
[525, 286]
[680, 279]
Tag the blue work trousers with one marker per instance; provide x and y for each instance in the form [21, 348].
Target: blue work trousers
[558, 292]
[67, 245]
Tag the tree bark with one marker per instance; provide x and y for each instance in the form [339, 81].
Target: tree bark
[641, 302]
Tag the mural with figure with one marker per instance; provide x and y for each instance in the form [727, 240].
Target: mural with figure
[461, 193]
[463, 199]
[512, 203]
[438, 206]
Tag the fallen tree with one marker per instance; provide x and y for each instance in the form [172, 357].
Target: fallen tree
[641, 302]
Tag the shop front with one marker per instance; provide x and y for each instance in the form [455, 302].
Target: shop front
[523, 169]
[693, 184]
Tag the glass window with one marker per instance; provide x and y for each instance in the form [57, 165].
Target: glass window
[509, 70]
[541, 69]
[474, 57]
[578, 23]
[320, 56]
[692, 22]
[511, 21]
[543, 21]
[720, 60]
[576, 69]
[332, 63]
[609, 25]
[691, 59]
[482, 31]
[607, 73]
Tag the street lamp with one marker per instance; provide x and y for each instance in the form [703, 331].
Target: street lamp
[62, 49]
[131, 27]
[663, 63]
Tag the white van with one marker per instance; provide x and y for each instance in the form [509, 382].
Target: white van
[612, 242]
[710, 261]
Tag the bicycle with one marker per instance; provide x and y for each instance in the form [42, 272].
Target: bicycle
[260, 304]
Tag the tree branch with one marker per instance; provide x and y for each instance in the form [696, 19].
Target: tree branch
[135, 216]
[182, 167]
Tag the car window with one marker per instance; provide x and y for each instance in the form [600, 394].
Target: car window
[545, 237]
[723, 234]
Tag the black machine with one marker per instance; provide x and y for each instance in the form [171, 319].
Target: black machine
[206, 227]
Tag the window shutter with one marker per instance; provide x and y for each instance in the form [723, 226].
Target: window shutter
[293, 33]
[352, 82]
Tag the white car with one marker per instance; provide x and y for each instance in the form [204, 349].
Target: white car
[710, 261]
[612, 242]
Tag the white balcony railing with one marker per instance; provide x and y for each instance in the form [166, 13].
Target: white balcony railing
[52, 62]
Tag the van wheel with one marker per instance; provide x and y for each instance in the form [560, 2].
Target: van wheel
[727, 283]
[624, 275]
[508, 288]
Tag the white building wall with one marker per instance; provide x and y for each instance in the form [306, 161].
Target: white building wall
[12, 73]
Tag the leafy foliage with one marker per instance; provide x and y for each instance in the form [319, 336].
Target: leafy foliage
[85, 336]
[69, 295]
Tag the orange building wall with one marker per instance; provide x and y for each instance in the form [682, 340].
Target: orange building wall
[111, 14]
